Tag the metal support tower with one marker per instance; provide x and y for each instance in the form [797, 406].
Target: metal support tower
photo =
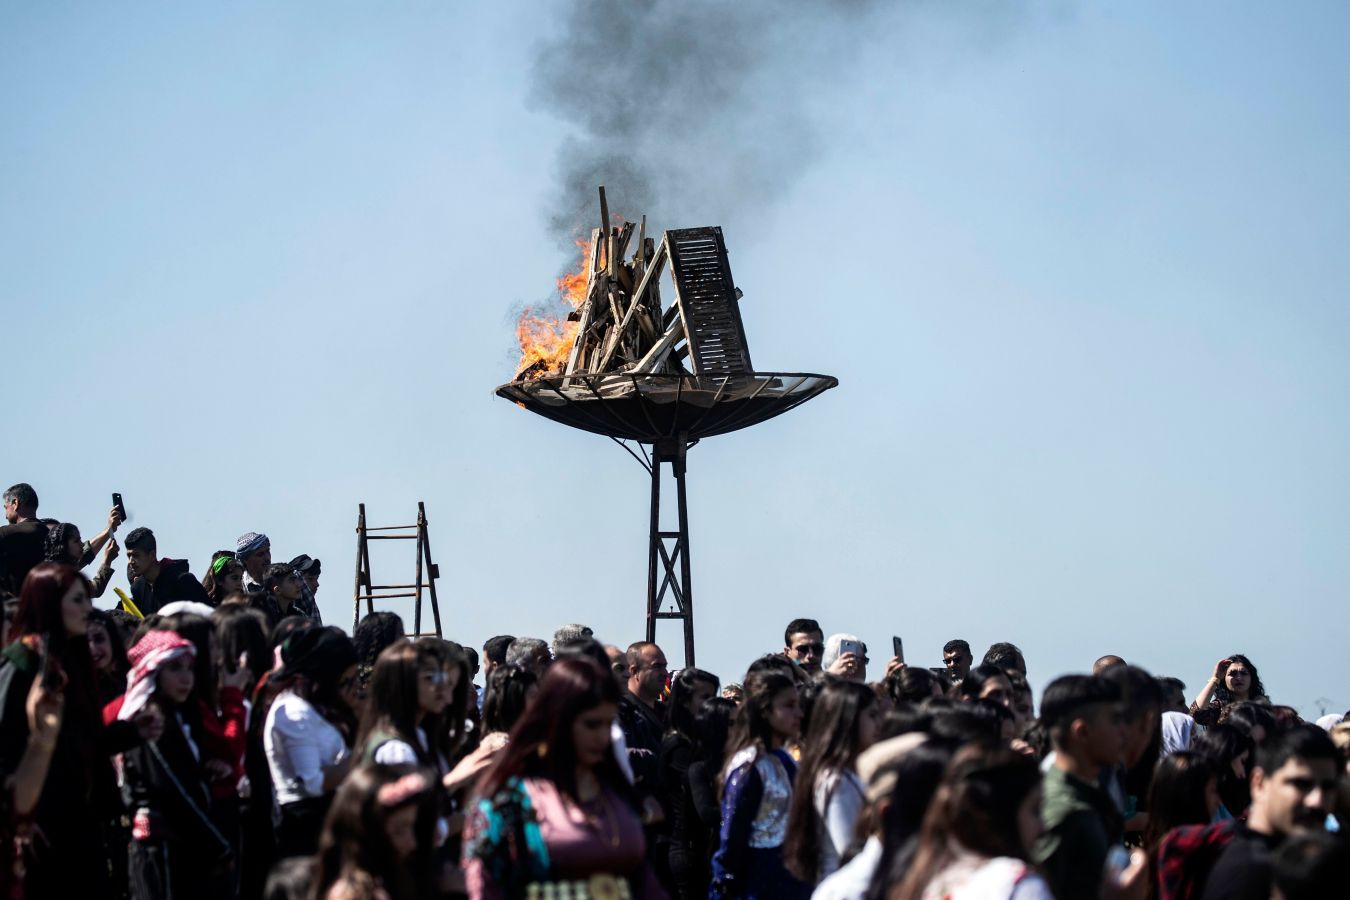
[668, 551]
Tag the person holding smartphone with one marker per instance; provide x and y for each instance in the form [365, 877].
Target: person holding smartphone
[49, 644]
[845, 656]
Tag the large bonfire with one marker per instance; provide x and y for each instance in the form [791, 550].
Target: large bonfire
[611, 319]
[546, 340]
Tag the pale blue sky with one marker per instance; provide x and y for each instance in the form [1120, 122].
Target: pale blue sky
[1080, 270]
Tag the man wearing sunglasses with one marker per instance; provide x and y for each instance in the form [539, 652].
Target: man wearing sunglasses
[804, 644]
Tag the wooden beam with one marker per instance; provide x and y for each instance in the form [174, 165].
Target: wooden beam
[587, 307]
[653, 271]
[661, 349]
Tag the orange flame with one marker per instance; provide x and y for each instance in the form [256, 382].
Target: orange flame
[546, 340]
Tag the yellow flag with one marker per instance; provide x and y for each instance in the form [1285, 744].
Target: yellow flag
[126, 603]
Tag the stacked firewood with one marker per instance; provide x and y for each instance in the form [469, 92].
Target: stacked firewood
[620, 324]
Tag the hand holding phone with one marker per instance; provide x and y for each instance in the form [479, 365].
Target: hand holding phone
[117, 505]
[47, 669]
[44, 708]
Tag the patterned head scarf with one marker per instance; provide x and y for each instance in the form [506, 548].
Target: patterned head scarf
[250, 543]
[150, 654]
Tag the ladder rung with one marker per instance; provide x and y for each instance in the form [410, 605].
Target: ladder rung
[383, 596]
[394, 587]
[390, 527]
[391, 537]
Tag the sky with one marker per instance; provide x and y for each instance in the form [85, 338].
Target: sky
[1080, 270]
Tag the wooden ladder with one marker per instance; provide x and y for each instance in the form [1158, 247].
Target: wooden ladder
[424, 580]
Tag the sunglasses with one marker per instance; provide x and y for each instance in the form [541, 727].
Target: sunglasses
[816, 648]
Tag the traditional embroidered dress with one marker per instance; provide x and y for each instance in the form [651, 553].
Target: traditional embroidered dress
[755, 804]
[531, 833]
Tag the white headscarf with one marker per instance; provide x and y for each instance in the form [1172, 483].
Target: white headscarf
[1176, 732]
[1330, 721]
[186, 606]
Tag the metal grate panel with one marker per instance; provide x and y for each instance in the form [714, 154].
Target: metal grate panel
[706, 297]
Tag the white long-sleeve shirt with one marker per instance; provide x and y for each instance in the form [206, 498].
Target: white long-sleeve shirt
[839, 799]
[300, 743]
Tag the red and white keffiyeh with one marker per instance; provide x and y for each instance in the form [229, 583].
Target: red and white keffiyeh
[150, 655]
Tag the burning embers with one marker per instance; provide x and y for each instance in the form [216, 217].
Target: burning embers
[617, 324]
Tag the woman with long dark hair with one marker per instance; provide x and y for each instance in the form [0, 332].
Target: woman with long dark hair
[1235, 679]
[258, 846]
[308, 732]
[687, 850]
[1254, 718]
[49, 640]
[224, 577]
[828, 796]
[376, 631]
[376, 842]
[108, 654]
[408, 687]
[913, 684]
[711, 727]
[448, 729]
[241, 633]
[1185, 791]
[1230, 752]
[508, 692]
[555, 810]
[219, 697]
[979, 829]
[65, 545]
[987, 683]
[757, 792]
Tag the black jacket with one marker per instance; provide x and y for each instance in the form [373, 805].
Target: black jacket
[642, 732]
[80, 793]
[166, 779]
[21, 547]
[174, 583]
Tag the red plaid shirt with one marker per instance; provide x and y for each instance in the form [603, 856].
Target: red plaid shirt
[1186, 855]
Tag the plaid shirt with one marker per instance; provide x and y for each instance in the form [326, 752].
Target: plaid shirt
[1186, 855]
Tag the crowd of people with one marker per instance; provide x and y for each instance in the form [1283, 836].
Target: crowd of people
[210, 737]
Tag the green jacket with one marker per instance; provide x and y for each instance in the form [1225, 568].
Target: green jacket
[1081, 825]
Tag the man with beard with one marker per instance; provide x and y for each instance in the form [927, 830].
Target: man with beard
[1293, 787]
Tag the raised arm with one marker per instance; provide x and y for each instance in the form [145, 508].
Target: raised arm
[1207, 692]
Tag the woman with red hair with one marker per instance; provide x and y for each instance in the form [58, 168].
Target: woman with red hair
[79, 794]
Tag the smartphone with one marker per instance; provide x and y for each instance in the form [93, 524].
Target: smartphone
[898, 646]
[854, 647]
[1116, 862]
[117, 503]
[49, 679]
